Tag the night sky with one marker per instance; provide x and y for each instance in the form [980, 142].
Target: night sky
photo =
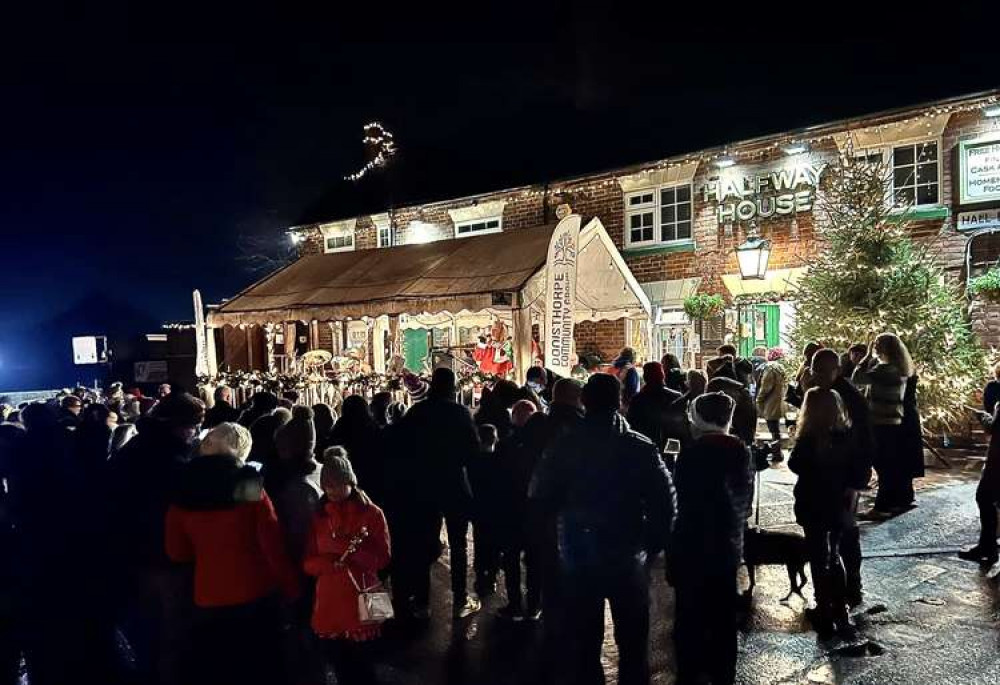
[140, 161]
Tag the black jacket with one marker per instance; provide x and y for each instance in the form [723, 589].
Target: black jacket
[862, 437]
[217, 482]
[825, 475]
[221, 412]
[714, 478]
[653, 413]
[612, 497]
[441, 440]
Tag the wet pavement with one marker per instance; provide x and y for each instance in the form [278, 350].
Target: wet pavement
[928, 617]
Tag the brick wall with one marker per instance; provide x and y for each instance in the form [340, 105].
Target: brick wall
[794, 237]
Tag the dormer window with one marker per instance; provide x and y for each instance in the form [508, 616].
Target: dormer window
[478, 219]
[338, 236]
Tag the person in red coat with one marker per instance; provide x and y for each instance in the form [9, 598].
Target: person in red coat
[347, 547]
[224, 524]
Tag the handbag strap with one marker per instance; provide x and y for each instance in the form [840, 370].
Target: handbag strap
[355, 582]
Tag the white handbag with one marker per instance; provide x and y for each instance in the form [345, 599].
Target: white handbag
[374, 603]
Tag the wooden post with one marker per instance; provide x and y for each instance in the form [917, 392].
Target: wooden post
[522, 339]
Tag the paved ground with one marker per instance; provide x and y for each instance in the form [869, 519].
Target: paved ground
[929, 618]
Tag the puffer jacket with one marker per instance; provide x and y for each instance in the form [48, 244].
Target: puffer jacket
[610, 493]
[224, 523]
[825, 474]
[335, 609]
[714, 477]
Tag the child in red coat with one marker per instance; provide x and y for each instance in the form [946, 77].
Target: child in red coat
[347, 547]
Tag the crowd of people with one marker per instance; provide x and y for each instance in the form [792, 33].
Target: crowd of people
[252, 544]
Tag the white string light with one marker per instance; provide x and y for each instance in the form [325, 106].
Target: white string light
[385, 148]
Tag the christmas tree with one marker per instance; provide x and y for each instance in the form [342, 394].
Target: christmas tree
[870, 277]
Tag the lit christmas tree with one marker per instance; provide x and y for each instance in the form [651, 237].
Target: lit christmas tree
[869, 277]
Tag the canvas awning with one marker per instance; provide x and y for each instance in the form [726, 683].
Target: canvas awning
[455, 276]
[778, 282]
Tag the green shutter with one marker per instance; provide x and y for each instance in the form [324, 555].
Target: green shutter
[772, 326]
[415, 348]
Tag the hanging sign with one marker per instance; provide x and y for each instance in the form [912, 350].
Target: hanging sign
[560, 296]
[151, 372]
[979, 162]
[973, 221]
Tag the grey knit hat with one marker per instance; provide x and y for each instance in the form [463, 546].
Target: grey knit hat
[337, 467]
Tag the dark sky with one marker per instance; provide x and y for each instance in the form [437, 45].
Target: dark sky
[139, 153]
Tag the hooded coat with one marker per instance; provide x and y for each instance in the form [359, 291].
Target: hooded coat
[771, 392]
[224, 523]
[745, 414]
[714, 478]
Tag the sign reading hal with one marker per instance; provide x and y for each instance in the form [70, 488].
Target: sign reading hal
[775, 193]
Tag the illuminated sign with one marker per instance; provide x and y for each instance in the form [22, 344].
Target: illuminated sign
[790, 190]
[90, 349]
[979, 163]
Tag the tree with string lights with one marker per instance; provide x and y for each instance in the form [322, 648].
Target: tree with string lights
[870, 277]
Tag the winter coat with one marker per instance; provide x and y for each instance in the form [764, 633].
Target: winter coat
[296, 502]
[626, 372]
[516, 466]
[771, 392]
[335, 609]
[991, 395]
[823, 496]
[913, 437]
[652, 413]
[143, 477]
[441, 438]
[885, 387]
[224, 523]
[989, 482]
[220, 412]
[563, 419]
[714, 478]
[745, 414]
[363, 443]
[610, 493]
[861, 432]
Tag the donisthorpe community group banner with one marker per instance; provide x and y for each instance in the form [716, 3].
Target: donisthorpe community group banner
[560, 296]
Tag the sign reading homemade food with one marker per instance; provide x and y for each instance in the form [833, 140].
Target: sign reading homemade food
[560, 296]
[789, 190]
[979, 162]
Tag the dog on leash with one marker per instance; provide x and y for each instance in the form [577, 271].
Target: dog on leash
[770, 547]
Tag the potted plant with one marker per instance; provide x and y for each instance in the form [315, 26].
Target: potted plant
[987, 285]
[702, 306]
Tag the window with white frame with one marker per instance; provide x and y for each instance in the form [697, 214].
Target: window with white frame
[342, 242]
[660, 215]
[385, 237]
[915, 172]
[478, 226]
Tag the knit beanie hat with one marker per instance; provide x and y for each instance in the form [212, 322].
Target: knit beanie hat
[337, 468]
[227, 439]
[296, 440]
[712, 413]
[652, 373]
[415, 386]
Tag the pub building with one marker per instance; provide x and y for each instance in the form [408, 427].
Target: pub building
[469, 278]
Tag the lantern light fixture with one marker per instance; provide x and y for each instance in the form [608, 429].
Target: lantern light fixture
[725, 162]
[992, 111]
[795, 148]
[753, 256]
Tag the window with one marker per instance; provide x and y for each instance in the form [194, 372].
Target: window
[385, 237]
[658, 216]
[478, 226]
[340, 243]
[915, 174]
[915, 169]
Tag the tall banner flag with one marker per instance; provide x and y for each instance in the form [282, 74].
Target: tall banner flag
[560, 296]
[200, 346]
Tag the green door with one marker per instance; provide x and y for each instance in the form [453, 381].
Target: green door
[759, 327]
[415, 348]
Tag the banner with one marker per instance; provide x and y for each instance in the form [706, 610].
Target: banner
[560, 296]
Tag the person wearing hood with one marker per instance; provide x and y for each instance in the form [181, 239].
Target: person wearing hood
[714, 480]
[262, 404]
[223, 523]
[347, 547]
[264, 451]
[651, 411]
[628, 377]
[222, 409]
[771, 394]
[613, 498]
[294, 482]
[744, 423]
[142, 478]
[324, 419]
